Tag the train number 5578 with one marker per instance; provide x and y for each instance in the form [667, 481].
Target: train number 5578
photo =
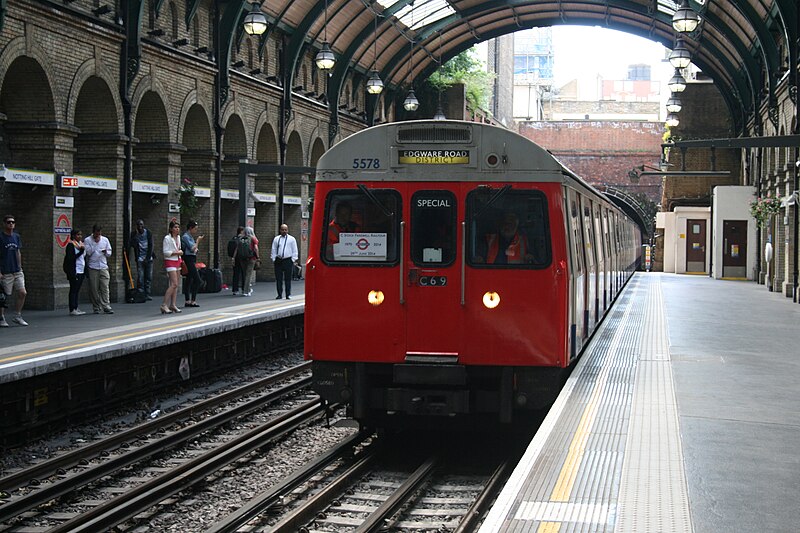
[365, 162]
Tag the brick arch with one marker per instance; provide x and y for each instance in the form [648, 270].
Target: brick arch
[151, 121]
[294, 150]
[97, 69]
[95, 108]
[150, 84]
[195, 105]
[234, 141]
[31, 81]
[266, 145]
[316, 151]
[199, 129]
[234, 109]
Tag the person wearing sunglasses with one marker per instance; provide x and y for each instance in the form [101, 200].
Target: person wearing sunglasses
[11, 269]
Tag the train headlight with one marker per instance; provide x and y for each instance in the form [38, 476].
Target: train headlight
[491, 299]
[375, 298]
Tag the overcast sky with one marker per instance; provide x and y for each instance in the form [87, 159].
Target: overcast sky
[584, 51]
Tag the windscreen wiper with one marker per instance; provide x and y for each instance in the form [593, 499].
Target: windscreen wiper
[496, 196]
[371, 195]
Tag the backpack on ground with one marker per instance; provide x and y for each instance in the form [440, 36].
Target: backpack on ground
[244, 249]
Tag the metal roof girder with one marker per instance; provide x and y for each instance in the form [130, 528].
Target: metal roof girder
[767, 45]
[343, 63]
[229, 24]
[293, 50]
[733, 94]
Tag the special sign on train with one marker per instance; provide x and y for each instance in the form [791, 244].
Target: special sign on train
[433, 157]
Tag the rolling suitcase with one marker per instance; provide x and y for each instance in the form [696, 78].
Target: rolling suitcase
[212, 279]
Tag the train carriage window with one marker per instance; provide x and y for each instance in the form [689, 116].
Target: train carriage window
[361, 227]
[588, 234]
[507, 228]
[433, 228]
[575, 224]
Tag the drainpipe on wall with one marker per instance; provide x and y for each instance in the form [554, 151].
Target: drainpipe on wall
[795, 82]
[218, 132]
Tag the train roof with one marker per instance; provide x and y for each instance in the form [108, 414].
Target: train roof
[445, 150]
[449, 149]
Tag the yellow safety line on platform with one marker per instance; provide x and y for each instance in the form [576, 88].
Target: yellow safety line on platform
[549, 527]
[569, 472]
[124, 336]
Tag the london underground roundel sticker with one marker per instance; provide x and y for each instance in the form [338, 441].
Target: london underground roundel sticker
[62, 230]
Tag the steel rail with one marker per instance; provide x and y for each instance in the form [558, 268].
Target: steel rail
[269, 498]
[50, 491]
[129, 504]
[377, 519]
[52, 466]
[493, 487]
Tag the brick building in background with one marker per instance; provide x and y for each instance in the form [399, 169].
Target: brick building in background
[604, 152]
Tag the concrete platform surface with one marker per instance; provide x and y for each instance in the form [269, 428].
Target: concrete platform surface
[55, 340]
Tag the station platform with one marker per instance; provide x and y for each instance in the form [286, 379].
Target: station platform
[54, 340]
[682, 415]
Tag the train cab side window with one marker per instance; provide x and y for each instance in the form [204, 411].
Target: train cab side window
[510, 230]
[360, 229]
[433, 228]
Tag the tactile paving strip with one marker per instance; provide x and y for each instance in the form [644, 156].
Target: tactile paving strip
[608, 457]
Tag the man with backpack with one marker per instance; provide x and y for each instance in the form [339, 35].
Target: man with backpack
[238, 273]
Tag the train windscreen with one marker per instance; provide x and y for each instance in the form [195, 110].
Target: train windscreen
[362, 226]
[433, 228]
[507, 229]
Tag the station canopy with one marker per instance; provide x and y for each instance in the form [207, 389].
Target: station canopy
[744, 46]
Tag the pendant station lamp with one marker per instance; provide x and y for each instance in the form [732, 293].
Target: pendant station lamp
[674, 104]
[685, 20]
[325, 58]
[672, 120]
[411, 103]
[680, 57]
[255, 23]
[439, 115]
[677, 83]
[374, 83]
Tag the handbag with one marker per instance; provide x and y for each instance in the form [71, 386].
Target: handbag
[184, 268]
[257, 264]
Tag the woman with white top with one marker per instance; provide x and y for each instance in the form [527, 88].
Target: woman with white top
[172, 262]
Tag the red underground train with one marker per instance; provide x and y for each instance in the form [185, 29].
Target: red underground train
[455, 272]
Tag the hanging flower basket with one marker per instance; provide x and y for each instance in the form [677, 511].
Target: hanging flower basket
[762, 210]
[187, 199]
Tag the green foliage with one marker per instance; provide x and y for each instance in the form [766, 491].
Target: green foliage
[762, 210]
[187, 200]
[467, 69]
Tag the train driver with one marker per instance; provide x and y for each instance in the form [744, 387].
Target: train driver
[508, 246]
[341, 223]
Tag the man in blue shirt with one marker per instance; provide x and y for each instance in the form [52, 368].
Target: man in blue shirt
[11, 269]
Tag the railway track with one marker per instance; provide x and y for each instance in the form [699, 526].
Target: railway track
[36, 490]
[370, 492]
